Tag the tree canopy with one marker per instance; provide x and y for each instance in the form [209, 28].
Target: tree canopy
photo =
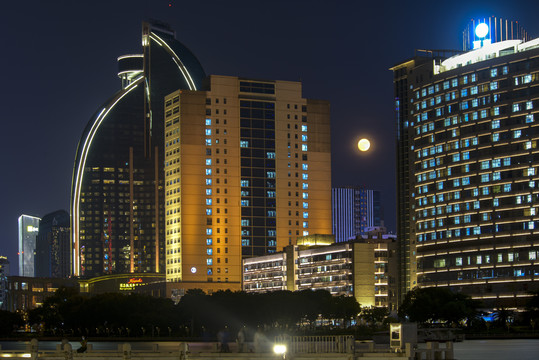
[195, 314]
[428, 305]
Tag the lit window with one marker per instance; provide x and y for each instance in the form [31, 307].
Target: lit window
[493, 72]
[303, 137]
[305, 205]
[529, 105]
[208, 241]
[208, 122]
[529, 118]
[516, 107]
[244, 183]
[208, 181]
[209, 251]
[244, 143]
[208, 162]
[208, 142]
[208, 171]
[208, 231]
[495, 124]
[208, 211]
[303, 147]
[304, 128]
[208, 132]
[305, 214]
[209, 262]
[208, 201]
[208, 191]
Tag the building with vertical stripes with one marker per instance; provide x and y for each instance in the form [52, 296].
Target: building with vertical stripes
[354, 210]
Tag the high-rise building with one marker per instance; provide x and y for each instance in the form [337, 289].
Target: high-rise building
[28, 228]
[354, 210]
[247, 172]
[53, 250]
[468, 169]
[4, 273]
[117, 202]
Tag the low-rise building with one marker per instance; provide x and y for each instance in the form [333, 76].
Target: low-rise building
[364, 268]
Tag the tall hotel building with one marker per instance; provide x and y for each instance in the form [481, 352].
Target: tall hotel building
[354, 210]
[247, 172]
[118, 190]
[468, 166]
[28, 228]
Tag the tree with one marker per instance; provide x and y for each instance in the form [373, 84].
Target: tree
[374, 315]
[437, 305]
[8, 321]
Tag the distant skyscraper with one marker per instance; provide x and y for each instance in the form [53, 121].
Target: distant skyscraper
[28, 228]
[4, 273]
[53, 250]
[468, 167]
[117, 204]
[354, 209]
[247, 171]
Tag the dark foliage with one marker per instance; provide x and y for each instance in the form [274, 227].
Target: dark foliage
[197, 314]
[9, 321]
[437, 305]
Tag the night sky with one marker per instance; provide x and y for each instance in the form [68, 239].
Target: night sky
[58, 61]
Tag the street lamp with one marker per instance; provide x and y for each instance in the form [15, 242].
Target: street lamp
[280, 349]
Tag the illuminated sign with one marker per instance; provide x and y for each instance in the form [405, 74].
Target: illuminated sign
[31, 228]
[131, 284]
[481, 31]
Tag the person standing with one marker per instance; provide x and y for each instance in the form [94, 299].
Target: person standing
[240, 339]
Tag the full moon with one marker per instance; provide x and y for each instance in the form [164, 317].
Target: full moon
[364, 145]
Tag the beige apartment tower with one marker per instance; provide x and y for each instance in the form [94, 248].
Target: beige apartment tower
[247, 172]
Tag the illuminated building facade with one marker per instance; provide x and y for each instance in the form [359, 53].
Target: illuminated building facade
[4, 273]
[468, 175]
[117, 202]
[247, 172]
[365, 268]
[28, 228]
[53, 250]
[27, 293]
[354, 210]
